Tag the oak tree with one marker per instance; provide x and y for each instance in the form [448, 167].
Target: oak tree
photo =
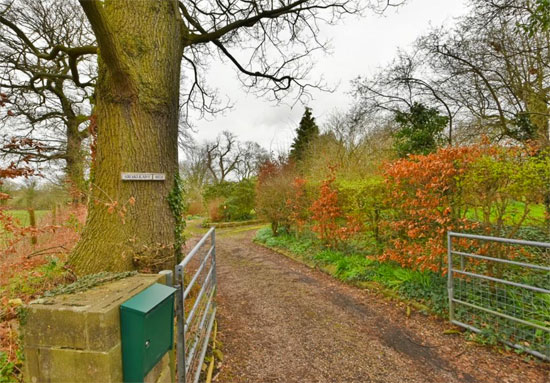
[142, 45]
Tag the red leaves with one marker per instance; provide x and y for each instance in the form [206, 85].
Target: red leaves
[298, 204]
[13, 171]
[3, 99]
[422, 188]
[267, 171]
[331, 224]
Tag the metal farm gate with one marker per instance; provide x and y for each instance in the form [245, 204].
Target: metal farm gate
[500, 288]
[196, 307]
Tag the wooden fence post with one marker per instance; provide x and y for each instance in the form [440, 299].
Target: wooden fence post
[32, 221]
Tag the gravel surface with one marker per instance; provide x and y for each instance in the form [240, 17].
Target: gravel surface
[280, 321]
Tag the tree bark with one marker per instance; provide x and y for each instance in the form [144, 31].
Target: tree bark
[140, 50]
[74, 160]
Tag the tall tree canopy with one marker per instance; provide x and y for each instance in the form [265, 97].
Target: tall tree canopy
[489, 74]
[142, 46]
[419, 131]
[306, 133]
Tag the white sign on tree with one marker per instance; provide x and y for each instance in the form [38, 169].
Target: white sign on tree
[143, 176]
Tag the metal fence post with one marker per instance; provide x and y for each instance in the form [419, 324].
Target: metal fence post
[450, 275]
[180, 342]
[215, 278]
[169, 281]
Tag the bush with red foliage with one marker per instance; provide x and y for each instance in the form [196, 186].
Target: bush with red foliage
[298, 204]
[424, 195]
[331, 224]
[273, 190]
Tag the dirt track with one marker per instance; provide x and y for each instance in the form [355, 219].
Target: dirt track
[280, 321]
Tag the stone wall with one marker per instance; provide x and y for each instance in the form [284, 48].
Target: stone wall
[76, 337]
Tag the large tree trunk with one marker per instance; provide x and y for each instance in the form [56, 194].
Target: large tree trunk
[74, 155]
[137, 121]
[75, 160]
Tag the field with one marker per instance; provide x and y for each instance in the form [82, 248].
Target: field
[22, 218]
[514, 214]
[23, 215]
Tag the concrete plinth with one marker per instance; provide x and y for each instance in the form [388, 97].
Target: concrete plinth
[76, 337]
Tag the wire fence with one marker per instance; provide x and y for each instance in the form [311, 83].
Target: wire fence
[500, 288]
[196, 307]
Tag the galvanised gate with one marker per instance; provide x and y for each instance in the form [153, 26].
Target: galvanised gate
[195, 279]
[500, 288]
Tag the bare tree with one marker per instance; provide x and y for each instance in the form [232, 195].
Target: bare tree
[194, 167]
[225, 157]
[487, 75]
[222, 156]
[136, 103]
[48, 81]
[498, 73]
[252, 157]
[406, 81]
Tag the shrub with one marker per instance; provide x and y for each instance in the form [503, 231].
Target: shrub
[503, 186]
[196, 208]
[298, 205]
[273, 190]
[239, 206]
[331, 224]
[425, 196]
[230, 201]
[365, 199]
[195, 201]
[218, 190]
[485, 188]
[214, 208]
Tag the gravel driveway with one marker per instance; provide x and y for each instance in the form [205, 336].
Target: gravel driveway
[280, 321]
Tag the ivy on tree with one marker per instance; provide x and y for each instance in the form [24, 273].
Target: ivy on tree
[178, 206]
[419, 130]
[305, 134]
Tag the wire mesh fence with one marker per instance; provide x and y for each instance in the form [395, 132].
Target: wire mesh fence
[501, 288]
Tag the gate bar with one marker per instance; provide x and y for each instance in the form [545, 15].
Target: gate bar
[500, 260]
[503, 281]
[500, 239]
[205, 344]
[186, 322]
[514, 345]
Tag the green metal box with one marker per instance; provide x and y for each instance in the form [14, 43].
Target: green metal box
[147, 330]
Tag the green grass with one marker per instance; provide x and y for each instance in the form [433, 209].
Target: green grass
[23, 215]
[22, 218]
[32, 282]
[514, 213]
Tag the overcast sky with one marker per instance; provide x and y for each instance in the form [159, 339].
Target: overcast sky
[359, 47]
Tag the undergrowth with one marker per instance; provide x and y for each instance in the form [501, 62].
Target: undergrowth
[19, 289]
